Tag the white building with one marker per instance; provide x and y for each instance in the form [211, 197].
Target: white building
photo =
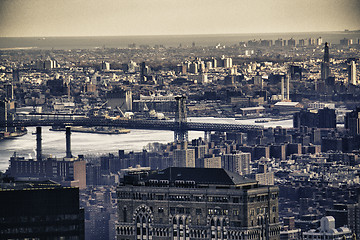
[320, 105]
[327, 230]
[352, 73]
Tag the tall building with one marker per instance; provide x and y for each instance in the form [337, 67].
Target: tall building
[196, 203]
[16, 75]
[144, 72]
[291, 42]
[40, 210]
[105, 66]
[327, 118]
[193, 68]
[311, 41]
[325, 65]
[285, 95]
[352, 122]
[279, 42]
[236, 162]
[184, 157]
[352, 73]
[120, 98]
[226, 62]
[319, 41]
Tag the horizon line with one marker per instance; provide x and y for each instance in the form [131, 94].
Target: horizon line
[191, 34]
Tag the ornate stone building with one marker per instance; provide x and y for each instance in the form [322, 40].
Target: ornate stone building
[196, 203]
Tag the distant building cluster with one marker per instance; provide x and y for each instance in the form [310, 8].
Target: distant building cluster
[295, 182]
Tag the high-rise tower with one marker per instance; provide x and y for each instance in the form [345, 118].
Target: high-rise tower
[180, 118]
[325, 65]
[352, 72]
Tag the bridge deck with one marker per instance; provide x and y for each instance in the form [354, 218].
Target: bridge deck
[133, 124]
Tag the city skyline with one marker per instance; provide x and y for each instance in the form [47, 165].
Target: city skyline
[36, 18]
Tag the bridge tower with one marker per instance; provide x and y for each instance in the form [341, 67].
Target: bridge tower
[38, 144]
[180, 134]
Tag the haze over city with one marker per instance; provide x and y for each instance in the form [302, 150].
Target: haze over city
[33, 18]
[180, 120]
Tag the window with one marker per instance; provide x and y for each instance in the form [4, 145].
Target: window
[274, 209]
[124, 214]
[160, 210]
[235, 200]
[210, 211]
[172, 210]
[198, 211]
[235, 212]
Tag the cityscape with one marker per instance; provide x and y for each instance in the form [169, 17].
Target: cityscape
[180, 135]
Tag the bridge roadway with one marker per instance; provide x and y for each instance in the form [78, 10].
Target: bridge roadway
[135, 124]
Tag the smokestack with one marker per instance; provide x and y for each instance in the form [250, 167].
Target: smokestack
[68, 142]
[288, 87]
[282, 88]
[38, 144]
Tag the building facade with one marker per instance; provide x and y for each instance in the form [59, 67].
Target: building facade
[194, 203]
[40, 210]
[67, 171]
[237, 162]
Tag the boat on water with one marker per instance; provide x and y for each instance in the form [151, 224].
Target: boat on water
[10, 135]
[262, 121]
[97, 130]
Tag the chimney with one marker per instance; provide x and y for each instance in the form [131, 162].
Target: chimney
[68, 142]
[38, 144]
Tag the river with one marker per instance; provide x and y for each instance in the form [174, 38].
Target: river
[88, 143]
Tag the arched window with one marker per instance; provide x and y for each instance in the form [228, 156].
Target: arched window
[181, 228]
[124, 214]
[143, 219]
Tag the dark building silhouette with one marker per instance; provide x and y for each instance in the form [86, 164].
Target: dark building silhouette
[40, 210]
[295, 72]
[16, 75]
[324, 118]
[352, 122]
[327, 118]
[305, 118]
[57, 87]
[325, 65]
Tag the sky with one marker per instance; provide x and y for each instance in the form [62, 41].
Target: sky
[44, 18]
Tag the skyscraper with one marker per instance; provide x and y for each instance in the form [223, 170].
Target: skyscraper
[352, 121]
[325, 65]
[352, 72]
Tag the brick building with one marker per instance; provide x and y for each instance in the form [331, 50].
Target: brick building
[193, 203]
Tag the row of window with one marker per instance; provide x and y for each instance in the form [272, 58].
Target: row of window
[20, 230]
[48, 218]
[177, 197]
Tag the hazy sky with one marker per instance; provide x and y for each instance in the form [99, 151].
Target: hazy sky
[20, 18]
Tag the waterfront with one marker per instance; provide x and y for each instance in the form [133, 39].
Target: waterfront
[55, 43]
[86, 143]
